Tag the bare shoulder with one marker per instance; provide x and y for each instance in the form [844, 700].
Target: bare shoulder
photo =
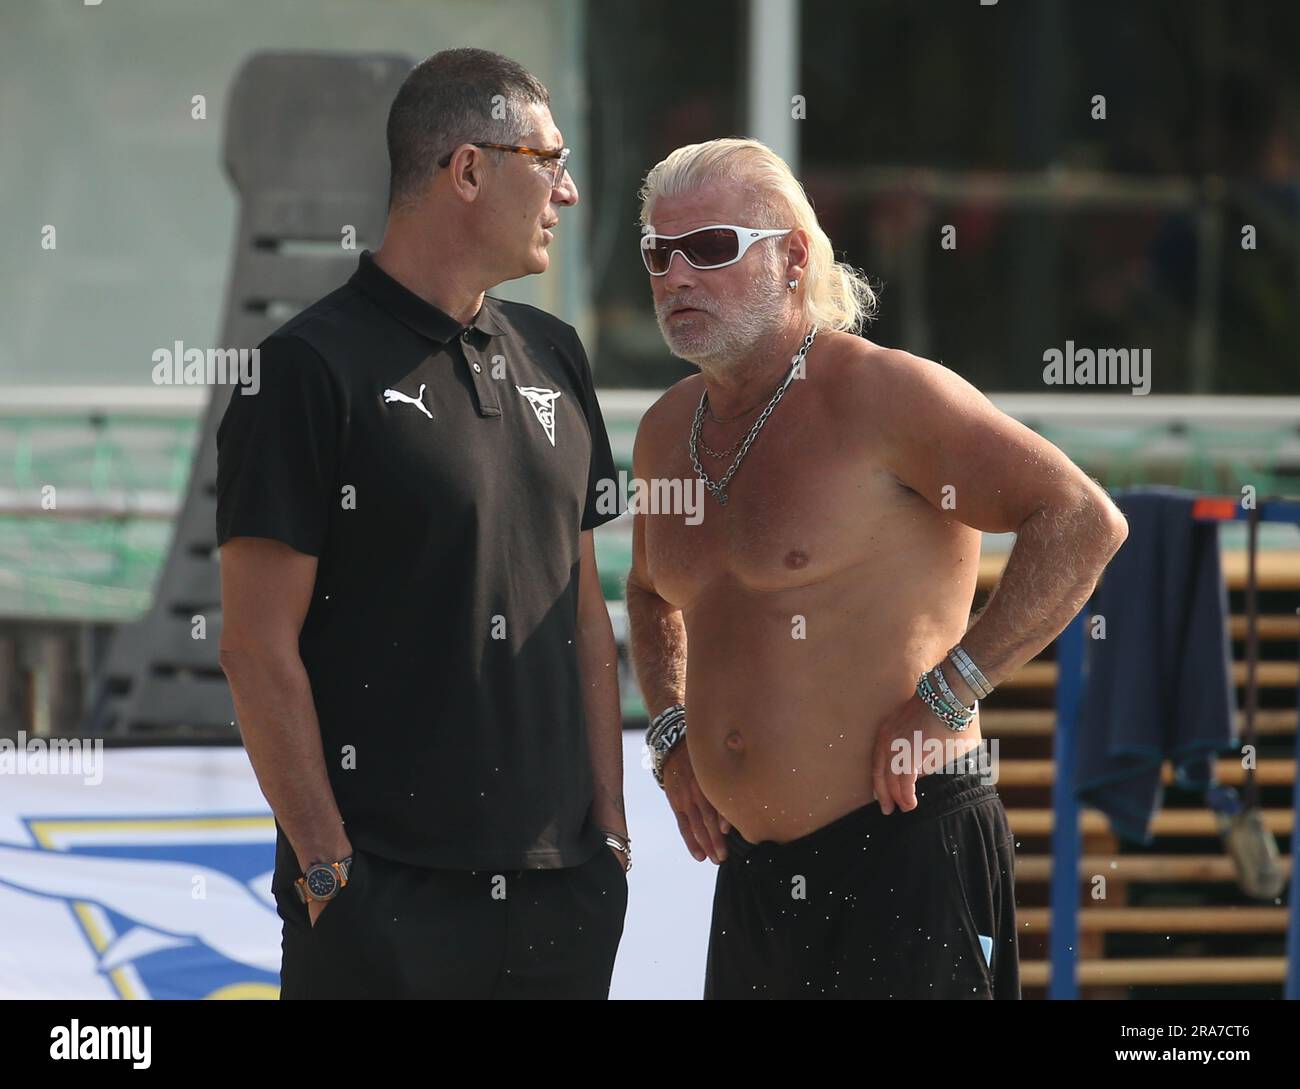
[681, 396]
[941, 436]
[858, 365]
[890, 383]
[664, 420]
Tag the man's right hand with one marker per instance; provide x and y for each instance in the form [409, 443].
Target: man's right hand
[703, 829]
[336, 850]
[314, 908]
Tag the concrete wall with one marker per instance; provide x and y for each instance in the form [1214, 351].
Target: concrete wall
[97, 139]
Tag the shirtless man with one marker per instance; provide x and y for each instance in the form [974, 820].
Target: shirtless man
[841, 568]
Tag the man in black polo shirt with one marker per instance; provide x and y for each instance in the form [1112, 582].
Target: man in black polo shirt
[413, 628]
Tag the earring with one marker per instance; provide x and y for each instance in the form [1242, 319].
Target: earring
[792, 284]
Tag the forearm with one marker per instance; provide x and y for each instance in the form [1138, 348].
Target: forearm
[281, 734]
[658, 647]
[598, 668]
[1059, 555]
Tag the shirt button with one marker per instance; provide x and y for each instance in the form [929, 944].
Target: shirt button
[476, 367]
[465, 335]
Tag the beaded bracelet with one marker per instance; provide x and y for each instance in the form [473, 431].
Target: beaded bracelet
[956, 719]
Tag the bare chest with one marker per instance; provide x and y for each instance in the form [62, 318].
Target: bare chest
[804, 505]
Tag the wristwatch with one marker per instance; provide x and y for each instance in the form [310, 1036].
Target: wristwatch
[322, 880]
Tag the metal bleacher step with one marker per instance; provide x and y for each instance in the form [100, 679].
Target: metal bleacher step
[1278, 569]
[1143, 971]
[1148, 869]
[1032, 773]
[1271, 629]
[1168, 822]
[1039, 674]
[1162, 920]
[1042, 723]
[1160, 937]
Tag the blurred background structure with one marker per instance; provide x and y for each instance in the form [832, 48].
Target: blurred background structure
[1171, 223]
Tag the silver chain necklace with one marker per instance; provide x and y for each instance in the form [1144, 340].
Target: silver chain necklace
[719, 489]
[719, 454]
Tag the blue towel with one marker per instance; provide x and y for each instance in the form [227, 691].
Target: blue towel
[1159, 685]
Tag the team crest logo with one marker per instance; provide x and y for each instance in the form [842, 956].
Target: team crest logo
[170, 907]
[543, 402]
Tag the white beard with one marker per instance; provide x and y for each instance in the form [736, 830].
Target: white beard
[720, 343]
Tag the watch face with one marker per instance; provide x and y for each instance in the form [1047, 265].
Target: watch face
[321, 881]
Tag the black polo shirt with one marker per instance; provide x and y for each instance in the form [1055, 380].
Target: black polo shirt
[442, 474]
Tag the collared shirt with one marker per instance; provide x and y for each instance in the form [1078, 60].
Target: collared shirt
[442, 473]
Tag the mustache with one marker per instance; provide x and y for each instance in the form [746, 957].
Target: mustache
[672, 302]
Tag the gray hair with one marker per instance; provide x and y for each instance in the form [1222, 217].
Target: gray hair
[834, 295]
[453, 98]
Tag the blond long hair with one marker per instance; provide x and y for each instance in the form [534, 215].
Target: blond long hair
[835, 295]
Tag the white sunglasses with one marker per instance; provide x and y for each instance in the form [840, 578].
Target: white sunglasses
[705, 248]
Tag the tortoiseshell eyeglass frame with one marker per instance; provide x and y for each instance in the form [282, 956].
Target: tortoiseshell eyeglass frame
[560, 157]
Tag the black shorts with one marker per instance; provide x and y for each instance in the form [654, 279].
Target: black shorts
[401, 931]
[911, 905]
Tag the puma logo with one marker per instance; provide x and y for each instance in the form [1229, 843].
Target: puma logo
[391, 395]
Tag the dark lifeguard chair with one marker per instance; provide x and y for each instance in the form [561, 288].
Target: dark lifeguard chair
[304, 147]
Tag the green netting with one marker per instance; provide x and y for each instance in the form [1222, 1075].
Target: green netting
[96, 569]
[104, 568]
[1219, 461]
[64, 564]
[1112, 455]
[622, 435]
[100, 455]
[1223, 461]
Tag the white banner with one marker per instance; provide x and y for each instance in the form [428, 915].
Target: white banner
[146, 873]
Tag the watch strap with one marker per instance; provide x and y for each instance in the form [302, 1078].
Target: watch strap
[342, 869]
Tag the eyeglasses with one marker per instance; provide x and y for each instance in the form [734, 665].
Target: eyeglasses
[706, 248]
[559, 157]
